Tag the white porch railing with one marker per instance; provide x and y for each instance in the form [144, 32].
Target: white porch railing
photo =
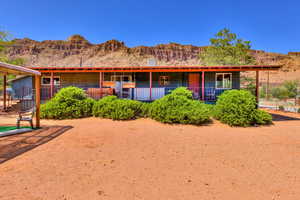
[143, 94]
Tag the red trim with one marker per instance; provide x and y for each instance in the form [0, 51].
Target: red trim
[159, 68]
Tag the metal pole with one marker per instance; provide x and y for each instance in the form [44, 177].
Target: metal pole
[150, 81]
[268, 86]
[203, 85]
[52, 85]
[4, 92]
[257, 87]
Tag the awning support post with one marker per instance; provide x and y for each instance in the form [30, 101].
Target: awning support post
[150, 82]
[100, 79]
[4, 92]
[257, 87]
[37, 100]
[203, 86]
[52, 85]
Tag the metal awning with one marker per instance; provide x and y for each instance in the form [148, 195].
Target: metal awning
[6, 68]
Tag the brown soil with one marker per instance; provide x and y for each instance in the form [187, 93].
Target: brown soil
[144, 159]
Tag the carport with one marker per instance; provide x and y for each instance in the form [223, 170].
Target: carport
[6, 69]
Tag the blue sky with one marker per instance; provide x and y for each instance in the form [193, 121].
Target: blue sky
[270, 25]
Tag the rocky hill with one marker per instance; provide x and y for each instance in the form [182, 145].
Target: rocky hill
[77, 51]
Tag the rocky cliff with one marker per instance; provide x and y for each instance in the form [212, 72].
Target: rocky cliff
[77, 51]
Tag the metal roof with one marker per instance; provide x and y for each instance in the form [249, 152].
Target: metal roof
[6, 68]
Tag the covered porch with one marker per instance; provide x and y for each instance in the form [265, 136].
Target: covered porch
[7, 69]
[148, 83]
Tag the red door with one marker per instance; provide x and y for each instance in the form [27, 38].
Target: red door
[194, 81]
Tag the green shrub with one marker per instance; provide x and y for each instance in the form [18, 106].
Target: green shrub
[145, 108]
[68, 103]
[183, 91]
[70, 95]
[298, 110]
[178, 107]
[87, 107]
[238, 108]
[118, 109]
[262, 117]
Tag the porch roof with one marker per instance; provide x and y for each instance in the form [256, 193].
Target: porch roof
[160, 68]
[6, 68]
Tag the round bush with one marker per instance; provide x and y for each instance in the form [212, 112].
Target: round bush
[68, 103]
[262, 117]
[238, 108]
[117, 109]
[178, 108]
[182, 91]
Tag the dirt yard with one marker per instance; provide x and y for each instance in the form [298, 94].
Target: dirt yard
[147, 160]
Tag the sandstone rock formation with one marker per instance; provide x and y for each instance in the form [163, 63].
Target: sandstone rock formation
[76, 51]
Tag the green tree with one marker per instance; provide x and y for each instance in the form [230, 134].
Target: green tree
[289, 89]
[5, 41]
[227, 49]
[280, 93]
[292, 88]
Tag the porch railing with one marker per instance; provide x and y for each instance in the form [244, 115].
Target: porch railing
[143, 94]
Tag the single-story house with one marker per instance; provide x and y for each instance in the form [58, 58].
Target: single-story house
[144, 83]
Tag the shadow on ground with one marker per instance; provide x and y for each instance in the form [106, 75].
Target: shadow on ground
[278, 117]
[12, 146]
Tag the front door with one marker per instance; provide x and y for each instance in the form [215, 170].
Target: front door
[119, 89]
[194, 81]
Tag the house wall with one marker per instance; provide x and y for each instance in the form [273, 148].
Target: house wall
[22, 87]
[181, 79]
[177, 79]
[210, 79]
[82, 80]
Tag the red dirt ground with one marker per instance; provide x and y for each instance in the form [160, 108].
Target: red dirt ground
[144, 159]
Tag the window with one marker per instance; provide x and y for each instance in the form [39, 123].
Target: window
[123, 78]
[224, 80]
[164, 80]
[46, 80]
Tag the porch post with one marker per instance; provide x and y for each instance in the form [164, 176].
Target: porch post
[202, 86]
[37, 99]
[257, 87]
[100, 79]
[52, 85]
[4, 92]
[150, 81]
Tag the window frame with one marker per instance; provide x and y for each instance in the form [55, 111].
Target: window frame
[223, 85]
[50, 80]
[165, 82]
[114, 77]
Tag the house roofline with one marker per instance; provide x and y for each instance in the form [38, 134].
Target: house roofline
[159, 68]
[6, 68]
